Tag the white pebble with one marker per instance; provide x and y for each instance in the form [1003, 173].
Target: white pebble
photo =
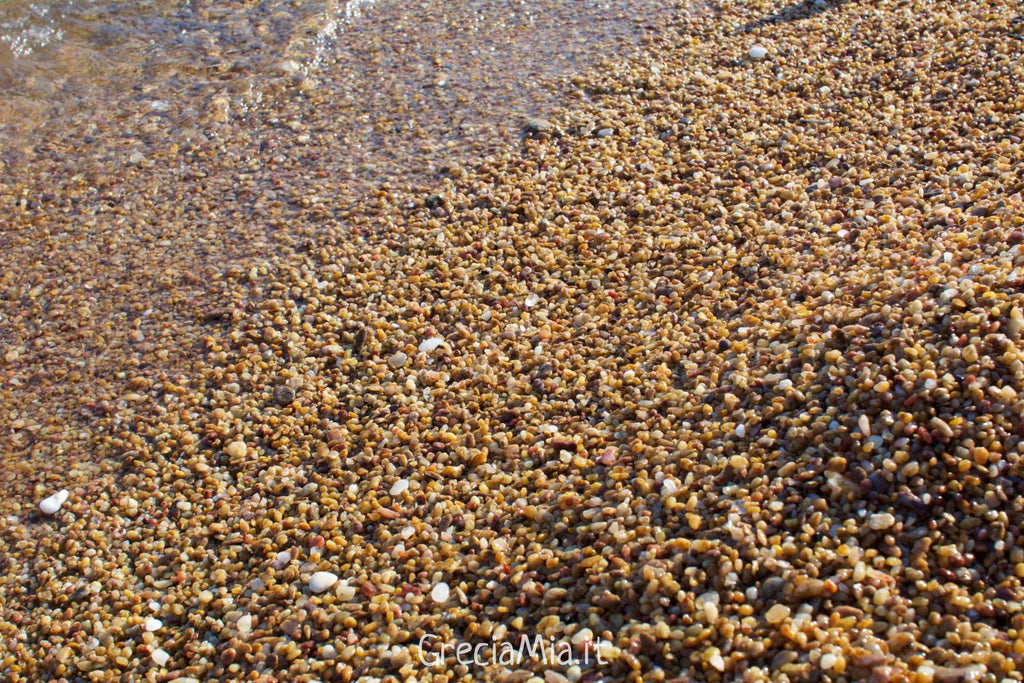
[440, 592]
[584, 635]
[428, 345]
[741, 431]
[51, 504]
[532, 300]
[399, 487]
[281, 560]
[758, 52]
[711, 612]
[152, 624]
[244, 624]
[669, 486]
[236, 449]
[407, 532]
[865, 425]
[321, 581]
[160, 657]
[708, 598]
[880, 521]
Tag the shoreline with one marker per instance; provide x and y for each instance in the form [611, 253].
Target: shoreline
[188, 198]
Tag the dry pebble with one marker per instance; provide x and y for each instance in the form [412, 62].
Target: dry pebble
[777, 614]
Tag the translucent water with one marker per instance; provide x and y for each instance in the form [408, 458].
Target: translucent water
[468, 63]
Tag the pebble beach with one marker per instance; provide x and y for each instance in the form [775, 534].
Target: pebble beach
[689, 333]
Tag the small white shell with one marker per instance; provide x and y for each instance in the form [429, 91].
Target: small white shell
[52, 504]
[428, 345]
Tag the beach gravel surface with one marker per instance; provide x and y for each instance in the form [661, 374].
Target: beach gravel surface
[729, 379]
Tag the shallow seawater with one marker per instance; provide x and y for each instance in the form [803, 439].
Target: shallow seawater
[60, 55]
[429, 71]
